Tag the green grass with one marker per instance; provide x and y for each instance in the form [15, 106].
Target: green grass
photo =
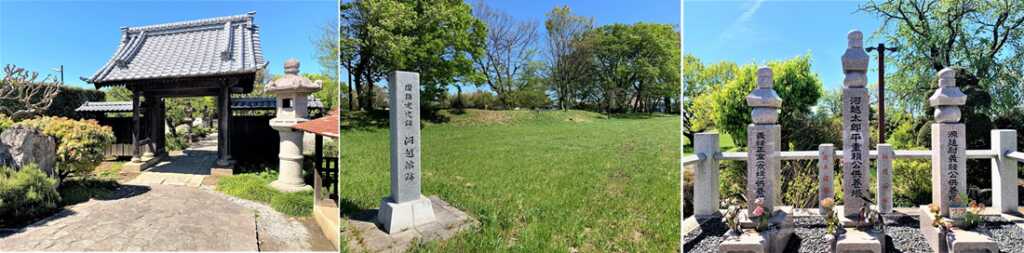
[256, 187]
[537, 182]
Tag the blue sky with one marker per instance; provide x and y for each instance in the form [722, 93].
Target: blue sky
[758, 31]
[83, 35]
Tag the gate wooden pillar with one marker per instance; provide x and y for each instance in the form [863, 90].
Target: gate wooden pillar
[136, 128]
[224, 131]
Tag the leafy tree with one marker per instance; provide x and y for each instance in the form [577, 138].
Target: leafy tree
[700, 82]
[795, 83]
[636, 65]
[118, 93]
[569, 57]
[982, 39]
[438, 39]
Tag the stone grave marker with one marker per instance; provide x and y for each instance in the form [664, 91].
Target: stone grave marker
[826, 171]
[856, 103]
[884, 177]
[763, 137]
[949, 149]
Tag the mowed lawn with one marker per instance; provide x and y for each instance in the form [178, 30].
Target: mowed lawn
[537, 181]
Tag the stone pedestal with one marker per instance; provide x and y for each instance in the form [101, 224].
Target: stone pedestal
[963, 241]
[397, 217]
[749, 242]
[777, 239]
[855, 240]
[289, 177]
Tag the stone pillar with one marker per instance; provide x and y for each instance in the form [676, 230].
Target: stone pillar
[292, 91]
[884, 177]
[949, 149]
[826, 171]
[406, 208]
[856, 103]
[1004, 171]
[763, 141]
[705, 187]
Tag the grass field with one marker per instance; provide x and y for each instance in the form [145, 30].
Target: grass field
[537, 181]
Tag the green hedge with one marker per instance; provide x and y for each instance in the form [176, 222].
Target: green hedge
[70, 98]
[26, 193]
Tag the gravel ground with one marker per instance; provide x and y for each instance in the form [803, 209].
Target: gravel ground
[905, 235]
[1009, 237]
[705, 238]
[276, 231]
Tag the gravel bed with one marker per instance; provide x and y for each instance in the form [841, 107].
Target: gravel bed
[705, 238]
[905, 235]
[1009, 237]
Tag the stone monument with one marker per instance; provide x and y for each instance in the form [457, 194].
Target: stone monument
[763, 164]
[826, 171]
[856, 103]
[292, 92]
[949, 170]
[855, 125]
[21, 146]
[406, 207]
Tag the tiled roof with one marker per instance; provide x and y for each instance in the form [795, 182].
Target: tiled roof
[250, 103]
[326, 126]
[196, 48]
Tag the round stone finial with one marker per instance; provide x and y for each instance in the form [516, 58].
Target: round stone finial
[947, 77]
[291, 66]
[855, 39]
[764, 77]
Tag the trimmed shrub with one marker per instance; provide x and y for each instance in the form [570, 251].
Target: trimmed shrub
[80, 143]
[69, 99]
[26, 193]
[293, 204]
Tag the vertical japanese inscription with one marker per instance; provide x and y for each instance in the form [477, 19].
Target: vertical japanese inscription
[405, 136]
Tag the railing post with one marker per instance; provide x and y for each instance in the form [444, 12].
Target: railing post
[826, 171]
[884, 177]
[705, 184]
[1004, 170]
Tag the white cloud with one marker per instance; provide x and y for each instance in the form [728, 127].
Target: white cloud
[741, 24]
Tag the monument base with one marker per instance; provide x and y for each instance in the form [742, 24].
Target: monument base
[139, 165]
[397, 217]
[962, 241]
[856, 240]
[773, 240]
[286, 187]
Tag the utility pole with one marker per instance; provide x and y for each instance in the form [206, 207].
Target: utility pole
[61, 71]
[881, 87]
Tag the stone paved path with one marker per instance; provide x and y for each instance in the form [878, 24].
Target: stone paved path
[166, 208]
[146, 218]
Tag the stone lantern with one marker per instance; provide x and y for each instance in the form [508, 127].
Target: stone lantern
[291, 91]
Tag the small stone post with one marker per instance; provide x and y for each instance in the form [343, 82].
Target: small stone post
[406, 208]
[1004, 171]
[949, 149]
[292, 91]
[884, 177]
[763, 141]
[856, 103]
[826, 171]
[705, 187]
